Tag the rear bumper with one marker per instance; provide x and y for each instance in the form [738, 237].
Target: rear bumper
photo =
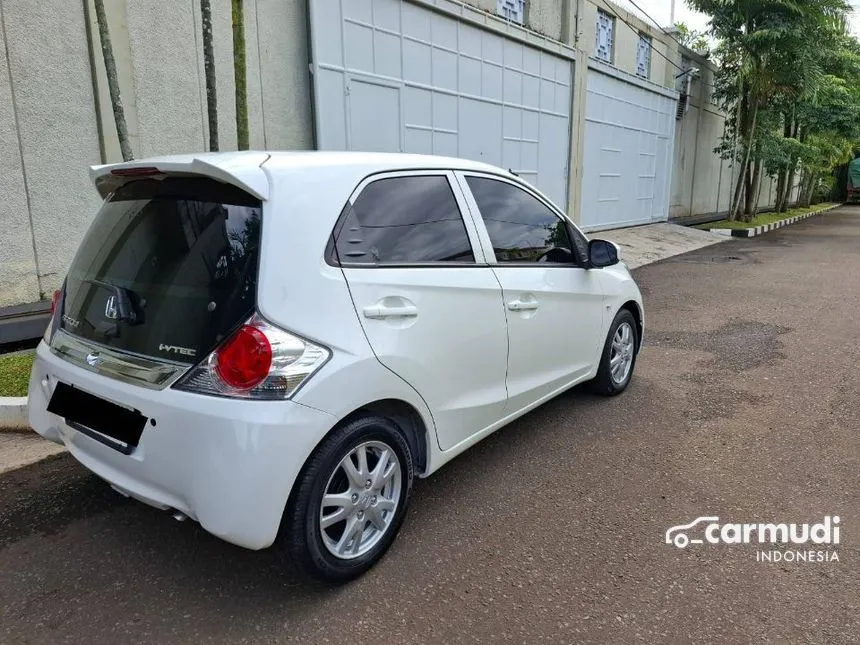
[228, 464]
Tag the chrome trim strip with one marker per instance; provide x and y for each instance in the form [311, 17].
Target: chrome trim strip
[129, 368]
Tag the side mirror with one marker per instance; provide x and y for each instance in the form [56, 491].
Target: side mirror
[603, 254]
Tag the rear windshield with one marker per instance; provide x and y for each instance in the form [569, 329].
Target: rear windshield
[167, 269]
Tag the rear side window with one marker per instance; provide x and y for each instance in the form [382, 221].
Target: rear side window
[521, 228]
[167, 269]
[403, 220]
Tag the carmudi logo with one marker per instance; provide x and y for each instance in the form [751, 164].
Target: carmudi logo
[709, 530]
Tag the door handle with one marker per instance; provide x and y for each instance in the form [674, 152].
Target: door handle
[519, 305]
[377, 312]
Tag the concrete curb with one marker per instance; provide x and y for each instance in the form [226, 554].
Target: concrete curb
[765, 228]
[13, 414]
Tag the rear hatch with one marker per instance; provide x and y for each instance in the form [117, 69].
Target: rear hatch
[167, 269]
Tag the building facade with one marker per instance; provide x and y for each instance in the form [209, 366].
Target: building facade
[577, 96]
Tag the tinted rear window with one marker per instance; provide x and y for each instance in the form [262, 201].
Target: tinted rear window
[404, 220]
[167, 269]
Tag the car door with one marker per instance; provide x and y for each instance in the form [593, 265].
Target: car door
[554, 306]
[429, 304]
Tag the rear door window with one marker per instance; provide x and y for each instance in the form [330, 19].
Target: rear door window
[167, 269]
[403, 220]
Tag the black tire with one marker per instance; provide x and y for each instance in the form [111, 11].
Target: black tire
[301, 534]
[604, 383]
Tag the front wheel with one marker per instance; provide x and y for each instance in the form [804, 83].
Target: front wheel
[349, 501]
[619, 356]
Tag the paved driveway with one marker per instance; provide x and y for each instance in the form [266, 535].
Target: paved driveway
[746, 406]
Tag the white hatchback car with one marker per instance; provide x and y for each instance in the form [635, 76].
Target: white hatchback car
[275, 344]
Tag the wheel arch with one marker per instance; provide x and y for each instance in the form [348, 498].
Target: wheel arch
[407, 418]
[405, 415]
[634, 308]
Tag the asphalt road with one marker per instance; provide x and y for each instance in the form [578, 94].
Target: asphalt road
[745, 406]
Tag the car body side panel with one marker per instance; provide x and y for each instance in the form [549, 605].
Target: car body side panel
[354, 377]
[315, 302]
[619, 287]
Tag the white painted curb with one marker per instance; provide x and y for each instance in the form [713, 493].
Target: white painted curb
[765, 228]
[13, 413]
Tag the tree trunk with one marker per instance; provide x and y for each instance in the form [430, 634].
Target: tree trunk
[240, 73]
[793, 170]
[736, 198]
[209, 67]
[783, 172]
[743, 169]
[113, 82]
[757, 176]
[789, 185]
[801, 187]
[749, 191]
[807, 190]
[780, 185]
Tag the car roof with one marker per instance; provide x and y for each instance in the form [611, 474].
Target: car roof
[245, 168]
[382, 161]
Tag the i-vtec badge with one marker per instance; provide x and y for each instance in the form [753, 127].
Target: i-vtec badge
[176, 349]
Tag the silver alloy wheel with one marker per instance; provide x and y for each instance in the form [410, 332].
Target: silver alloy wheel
[621, 354]
[360, 500]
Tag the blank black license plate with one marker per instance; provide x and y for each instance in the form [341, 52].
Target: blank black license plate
[111, 424]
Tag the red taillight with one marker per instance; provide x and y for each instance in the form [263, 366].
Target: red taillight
[244, 360]
[135, 172]
[55, 300]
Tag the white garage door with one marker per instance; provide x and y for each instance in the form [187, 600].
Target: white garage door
[394, 76]
[627, 157]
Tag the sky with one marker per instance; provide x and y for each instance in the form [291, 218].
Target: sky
[660, 11]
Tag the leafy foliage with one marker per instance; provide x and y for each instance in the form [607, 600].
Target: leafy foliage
[692, 38]
[789, 79]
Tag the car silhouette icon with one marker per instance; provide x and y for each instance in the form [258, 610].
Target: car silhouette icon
[680, 539]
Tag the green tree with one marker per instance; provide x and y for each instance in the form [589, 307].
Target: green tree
[692, 38]
[771, 56]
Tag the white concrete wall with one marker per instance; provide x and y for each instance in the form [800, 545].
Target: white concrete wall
[545, 17]
[283, 79]
[49, 87]
[168, 78]
[18, 274]
[56, 117]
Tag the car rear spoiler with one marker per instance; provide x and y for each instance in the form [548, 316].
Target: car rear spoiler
[243, 170]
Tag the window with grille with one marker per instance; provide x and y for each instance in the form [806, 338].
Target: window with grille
[513, 10]
[643, 56]
[605, 27]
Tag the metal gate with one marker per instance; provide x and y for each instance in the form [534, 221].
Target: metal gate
[627, 155]
[397, 76]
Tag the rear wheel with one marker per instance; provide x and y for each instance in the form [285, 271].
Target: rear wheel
[349, 501]
[619, 356]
